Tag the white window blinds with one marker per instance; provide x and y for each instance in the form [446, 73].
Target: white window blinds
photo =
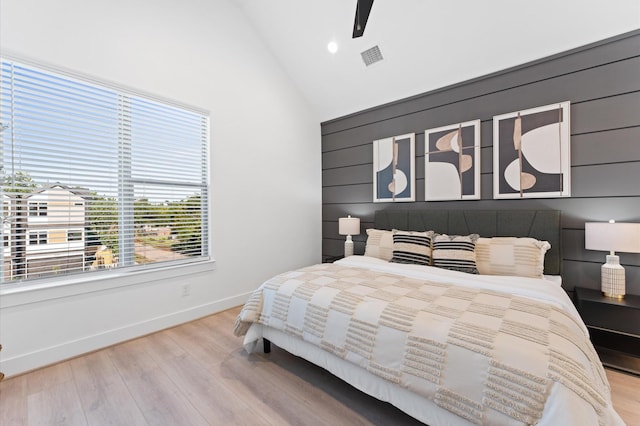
[95, 177]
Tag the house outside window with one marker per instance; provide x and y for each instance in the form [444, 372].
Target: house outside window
[130, 171]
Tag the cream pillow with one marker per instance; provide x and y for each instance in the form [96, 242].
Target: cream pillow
[379, 244]
[522, 257]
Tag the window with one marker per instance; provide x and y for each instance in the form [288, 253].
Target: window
[37, 209]
[37, 237]
[83, 159]
[74, 235]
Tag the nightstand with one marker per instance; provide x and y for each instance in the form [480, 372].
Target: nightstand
[614, 326]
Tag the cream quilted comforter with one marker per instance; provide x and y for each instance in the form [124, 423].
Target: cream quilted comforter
[471, 346]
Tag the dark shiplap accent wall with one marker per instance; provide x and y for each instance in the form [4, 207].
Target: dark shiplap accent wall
[602, 82]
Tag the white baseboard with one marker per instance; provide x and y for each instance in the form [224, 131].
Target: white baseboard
[30, 361]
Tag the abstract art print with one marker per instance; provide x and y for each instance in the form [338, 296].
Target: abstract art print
[452, 162]
[394, 169]
[531, 153]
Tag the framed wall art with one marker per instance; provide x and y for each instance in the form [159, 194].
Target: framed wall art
[452, 162]
[394, 169]
[531, 153]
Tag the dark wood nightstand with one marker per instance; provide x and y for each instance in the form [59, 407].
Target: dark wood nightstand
[614, 326]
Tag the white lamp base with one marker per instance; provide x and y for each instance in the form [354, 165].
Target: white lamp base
[348, 247]
[612, 278]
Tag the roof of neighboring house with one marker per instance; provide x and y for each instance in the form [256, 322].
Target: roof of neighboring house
[81, 192]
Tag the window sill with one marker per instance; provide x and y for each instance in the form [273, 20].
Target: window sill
[16, 294]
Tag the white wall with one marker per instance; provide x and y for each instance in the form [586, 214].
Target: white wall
[265, 164]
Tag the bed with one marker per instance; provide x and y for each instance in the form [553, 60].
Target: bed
[444, 343]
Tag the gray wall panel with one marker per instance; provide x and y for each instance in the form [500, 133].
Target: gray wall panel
[632, 277]
[486, 160]
[583, 274]
[613, 146]
[348, 175]
[486, 133]
[347, 194]
[607, 113]
[606, 180]
[486, 186]
[575, 211]
[573, 247]
[602, 82]
[347, 156]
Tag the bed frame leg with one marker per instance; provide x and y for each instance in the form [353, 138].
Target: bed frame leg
[266, 345]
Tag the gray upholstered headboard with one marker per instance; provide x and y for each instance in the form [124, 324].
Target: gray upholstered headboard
[539, 224]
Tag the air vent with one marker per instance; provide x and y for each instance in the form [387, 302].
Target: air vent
[371, 56]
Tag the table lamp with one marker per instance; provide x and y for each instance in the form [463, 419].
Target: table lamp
[348, 226]
[612, 237]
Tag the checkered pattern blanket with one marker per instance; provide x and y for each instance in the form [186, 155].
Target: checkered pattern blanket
[487, 356]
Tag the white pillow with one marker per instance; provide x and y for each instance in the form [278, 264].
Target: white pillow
[522, 257]
[379, 244]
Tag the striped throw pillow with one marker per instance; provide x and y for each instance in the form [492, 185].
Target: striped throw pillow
[522, 257]
[412, 247]
[455, 252]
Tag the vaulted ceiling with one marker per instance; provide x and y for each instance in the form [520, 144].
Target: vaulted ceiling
[425, 44]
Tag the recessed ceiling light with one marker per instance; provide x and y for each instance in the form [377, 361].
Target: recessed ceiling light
[332, 47]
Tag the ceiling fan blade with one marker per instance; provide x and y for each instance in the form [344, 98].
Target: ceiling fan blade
[363, 8]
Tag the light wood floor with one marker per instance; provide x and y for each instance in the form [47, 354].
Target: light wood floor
[198, 373]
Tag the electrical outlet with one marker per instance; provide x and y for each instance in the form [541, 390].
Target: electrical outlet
[186, 290]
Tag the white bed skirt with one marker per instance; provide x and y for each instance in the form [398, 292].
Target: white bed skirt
[557, 411]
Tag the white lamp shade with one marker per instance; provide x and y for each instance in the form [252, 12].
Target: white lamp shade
[623, 237]
[349, 225]
[612, 237]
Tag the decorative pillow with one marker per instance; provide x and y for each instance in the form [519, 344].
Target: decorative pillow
[523, 257]
[412, 247]
[379, 244]
[455, 252]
